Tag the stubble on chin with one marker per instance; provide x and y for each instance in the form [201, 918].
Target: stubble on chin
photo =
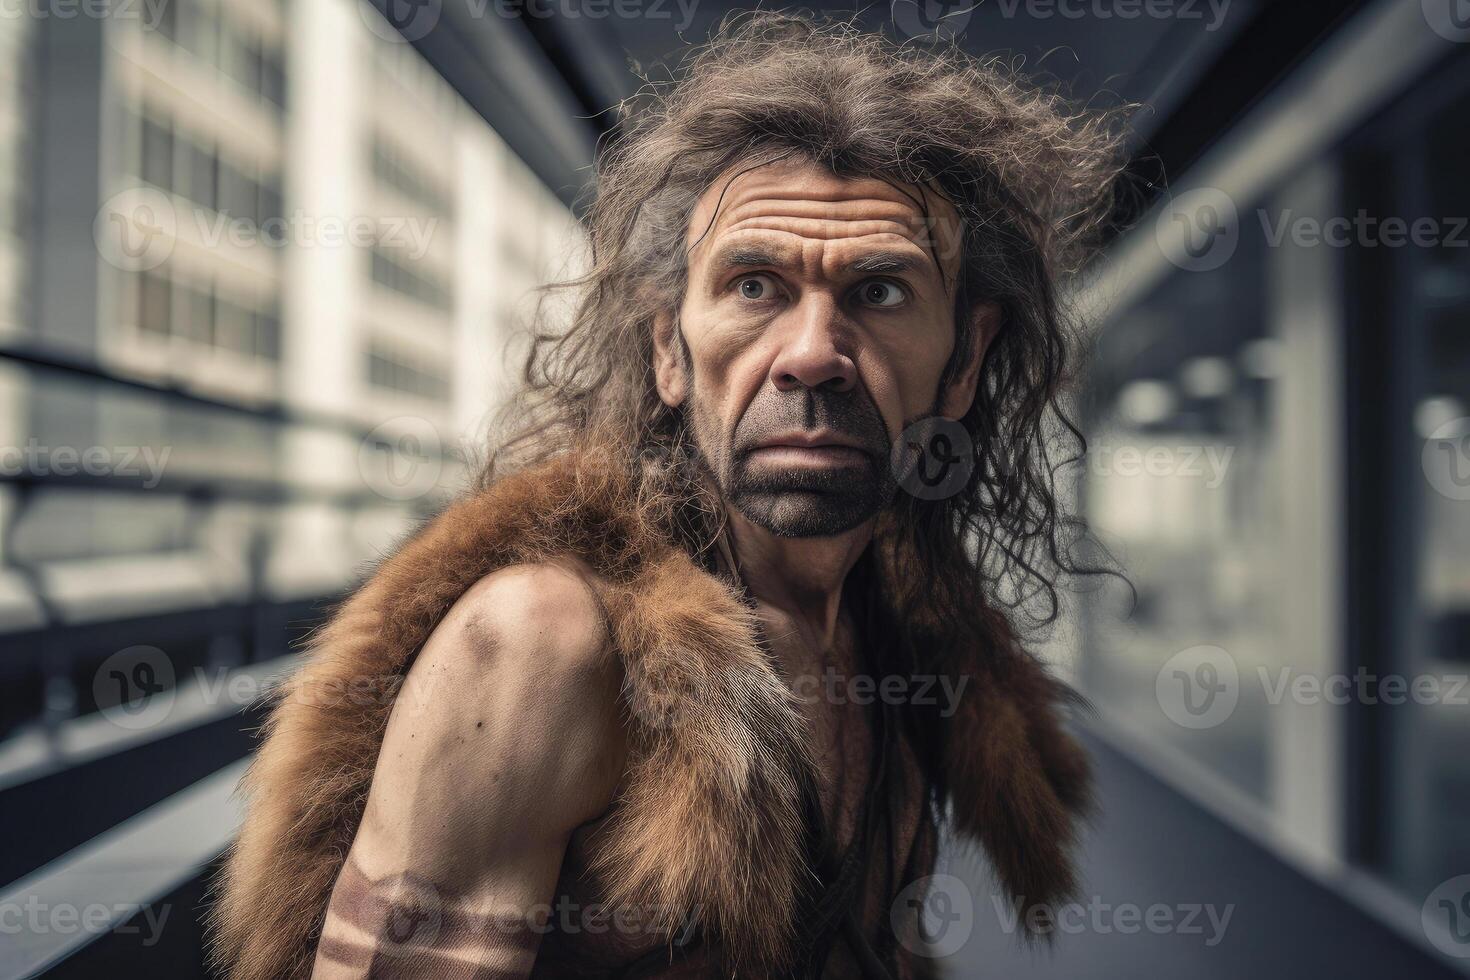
[796, 502]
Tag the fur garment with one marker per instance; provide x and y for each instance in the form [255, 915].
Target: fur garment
[711, 816]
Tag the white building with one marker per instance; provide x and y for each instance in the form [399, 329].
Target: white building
[288, 217]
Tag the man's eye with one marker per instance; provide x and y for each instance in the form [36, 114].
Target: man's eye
[756, 287]
[880, 292]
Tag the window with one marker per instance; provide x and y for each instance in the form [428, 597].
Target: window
[158, 153]
[407, 277]
[273, 76]
[268, 335]
[236, 192]
[1183, 440]
[202, 187]
[197, 314]
[396, 373]
[153, 304]
[268, 201]
[216, 36]
[391, 167]
[197, 29]
[1412, 483]
[166, 20]
[235, 328]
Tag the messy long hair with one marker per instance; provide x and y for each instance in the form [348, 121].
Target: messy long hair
[1030, 173]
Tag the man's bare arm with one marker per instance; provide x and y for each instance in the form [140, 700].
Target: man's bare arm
[504, 738]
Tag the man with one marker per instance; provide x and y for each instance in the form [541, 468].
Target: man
[691, 684]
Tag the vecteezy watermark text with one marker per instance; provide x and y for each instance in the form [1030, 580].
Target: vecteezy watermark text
[923, 690]
[1126, 918]
[137, 228]
[1207, 462]
[1210, 13]
[149, 12]
[1200, 687]
[33, 916]
[37, 459]
[1200, 230]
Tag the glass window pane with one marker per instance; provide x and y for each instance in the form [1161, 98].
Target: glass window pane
[1176, 484]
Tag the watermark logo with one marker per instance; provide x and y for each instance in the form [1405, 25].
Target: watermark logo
[1207, 464]
[1363, 230]
[934, 916]
[34, 917]
[408, 235]
[134, 688]
[1104, 918]
[402, 458]
[415, 914]
[135, 229]
[933, 458]
[1198, 687]
[573, 10]
[1198, 230]
[401, 21]
[1450, 19]
[143, 463]
[569, 917]
[932, 20]
[1445, 917]
[942, 691]
[1363, 687]
[1210, 13]
[148, 12]
[1446, 459]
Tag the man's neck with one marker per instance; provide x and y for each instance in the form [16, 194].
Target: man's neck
[802, 577]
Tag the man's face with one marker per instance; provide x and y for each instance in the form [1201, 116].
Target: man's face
[818, 320]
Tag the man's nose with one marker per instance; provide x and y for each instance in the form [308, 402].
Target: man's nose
[814, 347]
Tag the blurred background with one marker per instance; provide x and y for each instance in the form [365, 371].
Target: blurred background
[262, 264]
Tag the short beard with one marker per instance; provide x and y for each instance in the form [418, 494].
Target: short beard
[799, 502]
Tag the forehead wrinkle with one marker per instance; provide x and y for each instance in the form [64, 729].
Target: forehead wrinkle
[773, 198]
[778, 183]
[799, 207]
[818, 228]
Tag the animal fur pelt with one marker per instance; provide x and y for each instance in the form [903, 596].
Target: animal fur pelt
[711, 817]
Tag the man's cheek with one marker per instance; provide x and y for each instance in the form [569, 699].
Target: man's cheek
[916, 394]
[887, 396]
[737, 377]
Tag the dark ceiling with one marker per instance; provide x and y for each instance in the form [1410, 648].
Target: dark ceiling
[548, 74]
[1142, 59]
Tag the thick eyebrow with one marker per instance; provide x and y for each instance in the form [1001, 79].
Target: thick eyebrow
[742, 256]
[888, 262]
[747, 256]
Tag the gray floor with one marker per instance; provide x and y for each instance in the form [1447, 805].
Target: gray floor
[1152, 847]
[1155, 867]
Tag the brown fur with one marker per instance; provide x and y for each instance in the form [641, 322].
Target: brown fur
[711, 814]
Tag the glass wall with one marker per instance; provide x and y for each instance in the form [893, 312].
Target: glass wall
[1178, 485]
[1413, 300]
[1280, 460]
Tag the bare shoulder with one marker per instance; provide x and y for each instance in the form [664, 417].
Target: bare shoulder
[546, 608]
[507, 733]
[530, 641]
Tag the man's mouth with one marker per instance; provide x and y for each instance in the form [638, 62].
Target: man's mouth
[803, 448]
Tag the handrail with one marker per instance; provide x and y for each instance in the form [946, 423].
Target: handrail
[100, 885]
